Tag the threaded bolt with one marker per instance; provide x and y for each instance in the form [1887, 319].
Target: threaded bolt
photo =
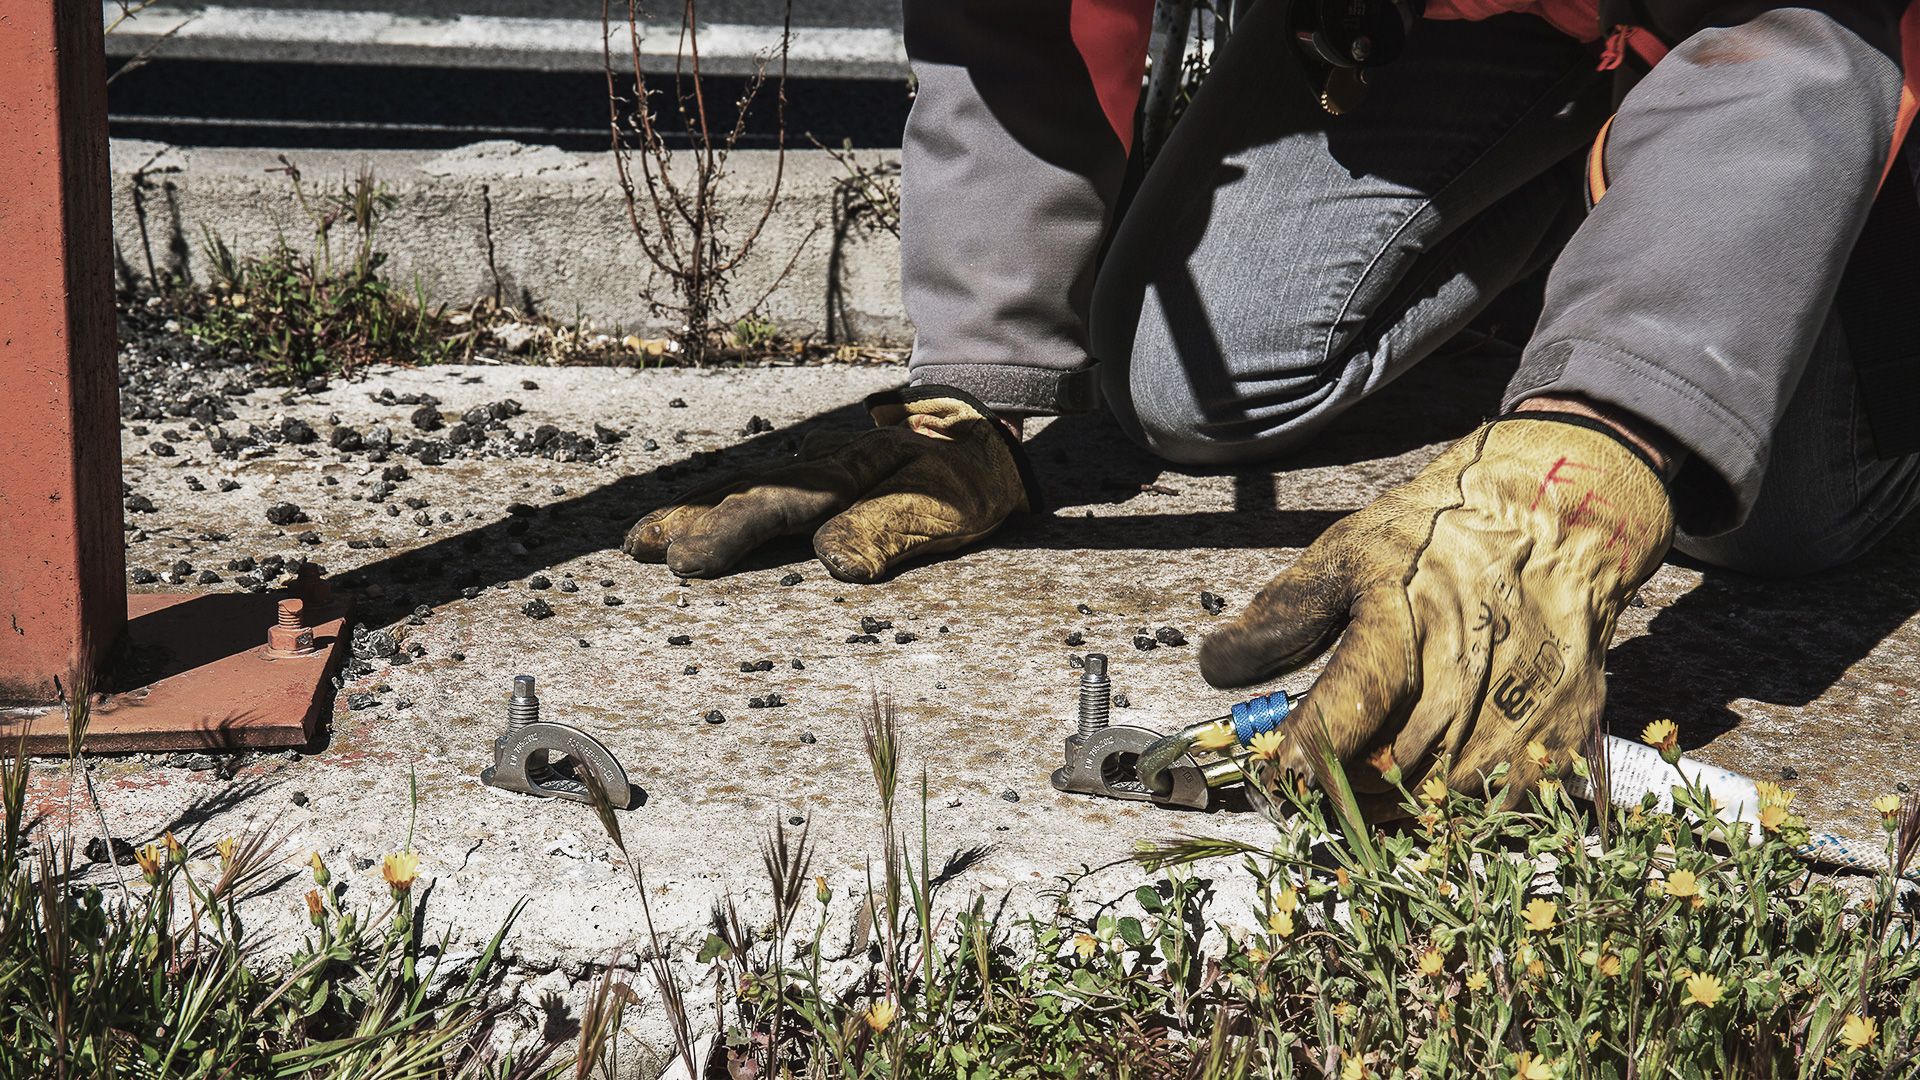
[292, 614]
[1096, 694]
[524, 709]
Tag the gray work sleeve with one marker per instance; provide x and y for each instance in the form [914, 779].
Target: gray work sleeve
[1737, 176]
[1013, 157]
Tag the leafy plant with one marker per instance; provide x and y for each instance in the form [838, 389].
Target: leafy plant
[1508, 937]
[162, 980]
[332, 309]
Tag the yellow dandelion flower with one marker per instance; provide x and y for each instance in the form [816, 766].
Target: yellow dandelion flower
[881, 1014]
[1084, 945]
[1538, 753]
[1609, 966]
[1287, 900]
[1527, 1066]
[1353, 1068]
[1704, 989]
[1433, 790]
[176, 851]
[1431, 963]
[1267, 745]
[1683, 883]
[1549, 789]
[1344, 1012]
[1888, 805]
[150, 858]
[1342, 878]
[1662, 735]
[1539, 914]
[1477, 981]
[1858, 1032]
[1216, 737]
[1772, 794]
[1280, 923]
[1257, 954]
[225, 847]
[1772, 816]
[400, 870]
[321, 875]
[315, 910]
[1593, 1038]
[822, 893]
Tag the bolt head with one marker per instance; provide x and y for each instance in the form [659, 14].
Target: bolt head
[290, 640]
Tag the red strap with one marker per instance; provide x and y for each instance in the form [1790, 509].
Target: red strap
[1615, 53]
[1111, 36]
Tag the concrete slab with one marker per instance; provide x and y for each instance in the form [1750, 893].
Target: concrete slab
[1807, 681]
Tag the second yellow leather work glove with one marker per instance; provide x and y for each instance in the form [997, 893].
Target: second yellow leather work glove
[937, 472]
[1477, 601]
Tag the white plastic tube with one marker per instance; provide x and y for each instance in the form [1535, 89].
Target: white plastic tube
[1634, 769]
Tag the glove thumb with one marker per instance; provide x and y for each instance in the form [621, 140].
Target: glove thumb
[1290, 621]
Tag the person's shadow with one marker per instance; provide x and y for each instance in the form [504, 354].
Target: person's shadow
[1780, 642]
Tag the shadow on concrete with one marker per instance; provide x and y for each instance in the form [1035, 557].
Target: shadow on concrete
[1080, 461]
[1782, 642]
[205, 808]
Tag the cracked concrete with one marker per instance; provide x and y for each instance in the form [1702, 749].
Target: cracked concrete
[1808, 681]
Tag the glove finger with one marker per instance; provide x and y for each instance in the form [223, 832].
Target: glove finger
[1289, 622]
[1366, 690]
[922, 509]
[784, 503]
[648, 538]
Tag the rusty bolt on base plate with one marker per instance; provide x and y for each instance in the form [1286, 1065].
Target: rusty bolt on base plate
[290, 636]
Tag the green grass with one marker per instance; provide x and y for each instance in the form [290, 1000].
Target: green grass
[1525, 936]
[330, 309]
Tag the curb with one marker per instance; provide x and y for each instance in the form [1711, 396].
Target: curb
[544, 230]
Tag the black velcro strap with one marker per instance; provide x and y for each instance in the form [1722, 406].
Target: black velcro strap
[1879, 308]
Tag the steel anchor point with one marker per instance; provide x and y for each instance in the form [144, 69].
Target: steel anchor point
[539, 757]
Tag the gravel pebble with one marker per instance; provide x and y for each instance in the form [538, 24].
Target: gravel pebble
[285, 513]
[536, 608]
[715, 716]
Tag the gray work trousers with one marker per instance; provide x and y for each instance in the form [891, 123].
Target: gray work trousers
[1278, 265]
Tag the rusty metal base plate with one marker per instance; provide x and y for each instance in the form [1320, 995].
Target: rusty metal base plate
[195, 676]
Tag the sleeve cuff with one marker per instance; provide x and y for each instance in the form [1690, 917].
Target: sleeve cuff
[1014, 391]
[1719, 480]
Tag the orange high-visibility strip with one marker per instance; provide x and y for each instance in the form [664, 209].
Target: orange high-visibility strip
[1597, 164]
[1910, 93]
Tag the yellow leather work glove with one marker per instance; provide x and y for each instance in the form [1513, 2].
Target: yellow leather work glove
[936, 473]
[1478, 600]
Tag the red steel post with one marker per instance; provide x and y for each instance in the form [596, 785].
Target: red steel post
[63, 597]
